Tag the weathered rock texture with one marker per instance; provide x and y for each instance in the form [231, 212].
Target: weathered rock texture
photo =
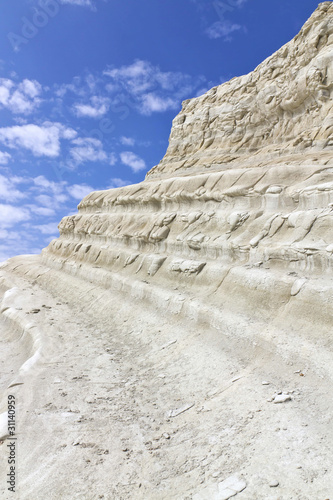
[239, 213]
[229, 237]
[280, 114]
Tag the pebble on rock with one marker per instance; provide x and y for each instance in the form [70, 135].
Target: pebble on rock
[222, 491]
[282, 398]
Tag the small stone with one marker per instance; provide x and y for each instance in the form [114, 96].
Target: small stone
[281, 398]
[178, 411]
[166, 435]
[274, 483]
[230, 487]
[265, 382]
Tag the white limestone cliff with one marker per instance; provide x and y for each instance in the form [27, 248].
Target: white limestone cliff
[226, 250]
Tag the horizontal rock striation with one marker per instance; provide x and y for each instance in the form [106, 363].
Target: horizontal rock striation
[231, 233]
[238, 216]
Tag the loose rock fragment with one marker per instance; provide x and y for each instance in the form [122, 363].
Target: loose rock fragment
[222, 491]
[178, 411]
[282, 398]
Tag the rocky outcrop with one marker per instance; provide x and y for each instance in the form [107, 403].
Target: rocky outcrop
[231, 233]
[280, 113]
[238, 215]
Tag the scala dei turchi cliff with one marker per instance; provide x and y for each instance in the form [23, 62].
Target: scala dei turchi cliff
[176, 340]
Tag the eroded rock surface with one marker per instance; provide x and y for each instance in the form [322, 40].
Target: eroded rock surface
[185, 292]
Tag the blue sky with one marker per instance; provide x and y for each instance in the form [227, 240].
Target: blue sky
[89, 88]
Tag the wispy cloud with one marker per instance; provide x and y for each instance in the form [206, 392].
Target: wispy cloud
[11, 215]
[97, 107]
[25, 225]
[148, 89]
[79, 191]
[9, 190]
[40, 140]
[4, 158]
[112, 159]
[140, 86]
[133, 161]
[22, 98]
[222, 29]
[152, 103]
[42, 211]
[87, 149]
[80, 3]
[51, 228]
[240, 3]
[116, 182]
[127, 141]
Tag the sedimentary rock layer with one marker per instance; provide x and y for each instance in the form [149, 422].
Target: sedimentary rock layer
[229, 241]
[252, 234]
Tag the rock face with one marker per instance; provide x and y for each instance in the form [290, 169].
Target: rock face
[229, 241]
[280, 114]
[239, 213]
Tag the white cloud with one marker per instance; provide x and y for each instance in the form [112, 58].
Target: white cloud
[116, 182]
[42, 211]
[140, 86]
[61, 90]
[44, 199]
[87, 149]
[20, 98]
[26, 227]
[133, 161]
[81, 3]
[79, 191]
[127, 141]
[49, 228]
[153, 103]
[112, 159]
[137, 77]
[55, 191]
[46, 185]
[4, 158]
[148, 89]
[40, 140]
[98, 107]
[8, 190]
[11, 215]
[222, 29]
[54, 200]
